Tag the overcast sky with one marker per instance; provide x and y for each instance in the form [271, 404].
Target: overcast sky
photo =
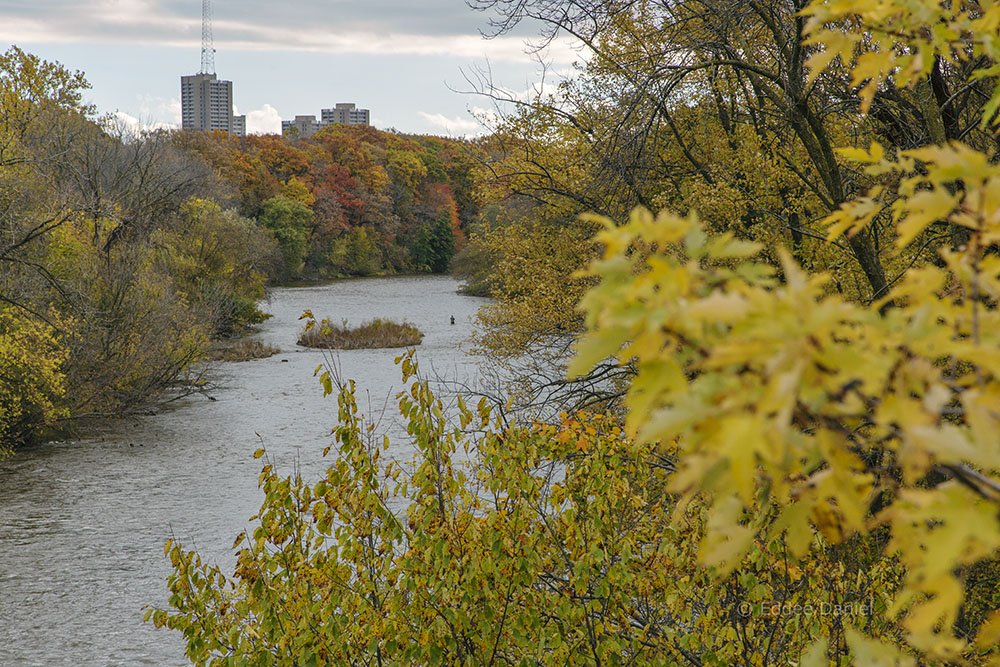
[399, 58]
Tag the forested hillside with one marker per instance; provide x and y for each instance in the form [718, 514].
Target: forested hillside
[350, 200]
[116, 266]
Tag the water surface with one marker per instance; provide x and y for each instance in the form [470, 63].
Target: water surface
[82, 523]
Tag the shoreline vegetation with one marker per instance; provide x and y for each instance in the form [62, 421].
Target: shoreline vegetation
[374, 334]
[246, 349]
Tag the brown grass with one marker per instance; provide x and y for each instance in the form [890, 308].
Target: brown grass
[246, 349]
[374, 334]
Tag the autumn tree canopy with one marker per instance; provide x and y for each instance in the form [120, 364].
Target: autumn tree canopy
[376, 202]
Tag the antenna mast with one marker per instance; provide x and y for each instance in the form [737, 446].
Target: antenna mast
[207, 45]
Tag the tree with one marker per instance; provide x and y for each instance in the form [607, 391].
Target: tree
[433, 243]
[832, 416]
[32, 381]
[126, 182]
[30, 88]
[355, 253]
[406, 168]
[130, 335]
[712, 106]
[113, 278]
[709, 104]
[528, 332]
[218, 261]
[289, 220]
[437, 233]
[364, 188]
[39, 100]
[280, 157]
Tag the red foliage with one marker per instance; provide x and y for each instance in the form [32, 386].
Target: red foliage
[337, 181]
[440, 198]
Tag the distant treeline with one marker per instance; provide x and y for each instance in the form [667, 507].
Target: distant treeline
[350, 200]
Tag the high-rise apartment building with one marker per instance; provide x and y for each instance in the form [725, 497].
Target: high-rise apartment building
[207, 104]
[306, 126]
[347, 114]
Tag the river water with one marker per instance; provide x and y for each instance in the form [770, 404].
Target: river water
[83, 523]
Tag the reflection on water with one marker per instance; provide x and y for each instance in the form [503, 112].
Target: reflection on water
[82, 524]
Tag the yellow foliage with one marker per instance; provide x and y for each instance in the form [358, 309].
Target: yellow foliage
[901, 41]
[32, 383]
[780, 393]
[534, 284]
[297, 190]
[548, 544]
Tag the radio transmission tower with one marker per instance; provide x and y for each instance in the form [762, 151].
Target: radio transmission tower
[207, 43]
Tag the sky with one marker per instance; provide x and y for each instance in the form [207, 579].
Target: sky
[408, 61]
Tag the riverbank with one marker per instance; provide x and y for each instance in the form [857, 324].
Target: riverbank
[82, 523]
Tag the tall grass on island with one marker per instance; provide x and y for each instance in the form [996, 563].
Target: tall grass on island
[247, 349]
[374, 334]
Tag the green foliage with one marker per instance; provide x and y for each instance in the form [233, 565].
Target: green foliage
[32, 381]
[542, 544]
[835, 417]
[433, 244]
[91, 324]
[786, 445]
[30, 88]
[121, 234]
[789, 402]
[379, 200]
[218, 261]
[289, 221]
[736, 111]
[355, 253]
[134, 334]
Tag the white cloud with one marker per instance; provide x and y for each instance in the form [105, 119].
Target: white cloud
[457, 126]
[320, 40]
[489, 119]
[127, 124]
[160, 107]
[264, 121]
[142, 22]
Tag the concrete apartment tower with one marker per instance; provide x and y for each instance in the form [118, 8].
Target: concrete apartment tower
[347, 114]
[207, 102]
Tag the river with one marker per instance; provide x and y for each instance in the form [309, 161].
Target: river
[82, 523]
